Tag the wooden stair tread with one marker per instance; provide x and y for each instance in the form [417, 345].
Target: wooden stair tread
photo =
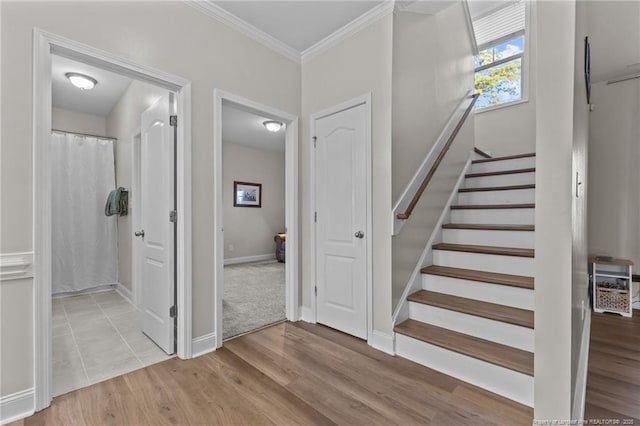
[498, 188]
[493, 206]
[500, 172]
[509, 157]
[484, 227]
[491, 352]
[506, 314]
[482, 276]
[501, 251]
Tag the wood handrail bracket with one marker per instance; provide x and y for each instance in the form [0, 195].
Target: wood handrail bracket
[450, 136]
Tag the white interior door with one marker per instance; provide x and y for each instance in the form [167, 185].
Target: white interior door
[157, 233]
[341, 200]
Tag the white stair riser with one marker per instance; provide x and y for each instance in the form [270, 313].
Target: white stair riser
[477, 156]
[511, 196]
[484, 262]
[494, 216]
[508, 383]
[483, 328]
[521, 239]
[500, 180]
[486, 292]
[496, 166]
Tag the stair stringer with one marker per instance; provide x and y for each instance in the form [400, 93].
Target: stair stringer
[401, 313]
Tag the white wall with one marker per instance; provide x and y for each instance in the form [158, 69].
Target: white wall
[614, 175]
[194, 47]
[123, 122]
[512, 129]
[73, 121]
[553, 236]
[250, 231]
[580, 255]
[432, 71]
[356, 66]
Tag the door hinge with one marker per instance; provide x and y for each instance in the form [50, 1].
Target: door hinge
[173, 120]
[315, 141]
[315, 216]
[173, 311]
[316, 290]
[173, 216]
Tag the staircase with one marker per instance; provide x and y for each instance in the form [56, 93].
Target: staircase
[473, 318]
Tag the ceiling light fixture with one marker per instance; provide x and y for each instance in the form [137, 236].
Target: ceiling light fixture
[272, 126]
[81, 81]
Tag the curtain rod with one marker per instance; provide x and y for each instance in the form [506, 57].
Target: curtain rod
[84, 134]
[625, 78]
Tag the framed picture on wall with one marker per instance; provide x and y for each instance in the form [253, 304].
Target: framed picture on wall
[247, 194]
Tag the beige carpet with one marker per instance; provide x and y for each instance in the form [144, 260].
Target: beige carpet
[254, 296]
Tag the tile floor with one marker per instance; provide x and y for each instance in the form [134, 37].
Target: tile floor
[96, 337]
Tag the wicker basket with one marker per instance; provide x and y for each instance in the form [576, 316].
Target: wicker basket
[612, 299]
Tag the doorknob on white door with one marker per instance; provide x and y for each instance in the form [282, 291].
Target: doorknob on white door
[359, 234]
[139, 233]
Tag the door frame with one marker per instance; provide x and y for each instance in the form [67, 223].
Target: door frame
[134, 205]
[352, 103]
[291, 204]
[45, 44]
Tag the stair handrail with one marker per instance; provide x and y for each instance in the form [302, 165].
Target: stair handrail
[416, 187]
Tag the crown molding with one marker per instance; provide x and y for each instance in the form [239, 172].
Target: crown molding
[348, 30]
[211, 9]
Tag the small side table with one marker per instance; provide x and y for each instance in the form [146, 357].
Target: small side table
[611, 285]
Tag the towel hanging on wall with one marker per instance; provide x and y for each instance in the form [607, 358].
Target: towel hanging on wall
[117, 202]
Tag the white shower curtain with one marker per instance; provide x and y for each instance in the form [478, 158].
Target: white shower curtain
[84, 240]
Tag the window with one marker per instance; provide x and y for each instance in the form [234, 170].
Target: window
[500, 35]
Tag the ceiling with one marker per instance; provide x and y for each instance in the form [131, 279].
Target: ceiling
[298, 24]
[614, 34]
[99, 101]
[243, 127]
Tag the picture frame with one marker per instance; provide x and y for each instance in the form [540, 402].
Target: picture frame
[247, 194]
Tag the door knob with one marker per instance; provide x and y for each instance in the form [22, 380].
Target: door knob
[359, 234]
[139, 233]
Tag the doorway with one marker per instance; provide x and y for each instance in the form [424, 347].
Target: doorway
[341, 222]
[250, 193]
[46, 47]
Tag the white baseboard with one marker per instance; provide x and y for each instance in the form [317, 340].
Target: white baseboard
[306, 314]
[125, 292]
[17, 406]
[382, 342]
[580, 394]
[93, 290]
[203, 345]
[247, 259]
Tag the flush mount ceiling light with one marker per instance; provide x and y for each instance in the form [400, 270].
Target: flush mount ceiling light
[272, 126]
[81, 81]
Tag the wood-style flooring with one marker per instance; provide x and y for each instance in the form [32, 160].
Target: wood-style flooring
[288, 374]
[613, 375]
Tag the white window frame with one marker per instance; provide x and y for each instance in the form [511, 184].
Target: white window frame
[525, 55]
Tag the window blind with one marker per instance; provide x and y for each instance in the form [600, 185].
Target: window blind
[500, 23]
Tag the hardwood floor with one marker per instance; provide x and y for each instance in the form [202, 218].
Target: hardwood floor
[288, 374]
[613, 375]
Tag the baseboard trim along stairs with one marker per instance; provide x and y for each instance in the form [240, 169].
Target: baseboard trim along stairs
[473, 318]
